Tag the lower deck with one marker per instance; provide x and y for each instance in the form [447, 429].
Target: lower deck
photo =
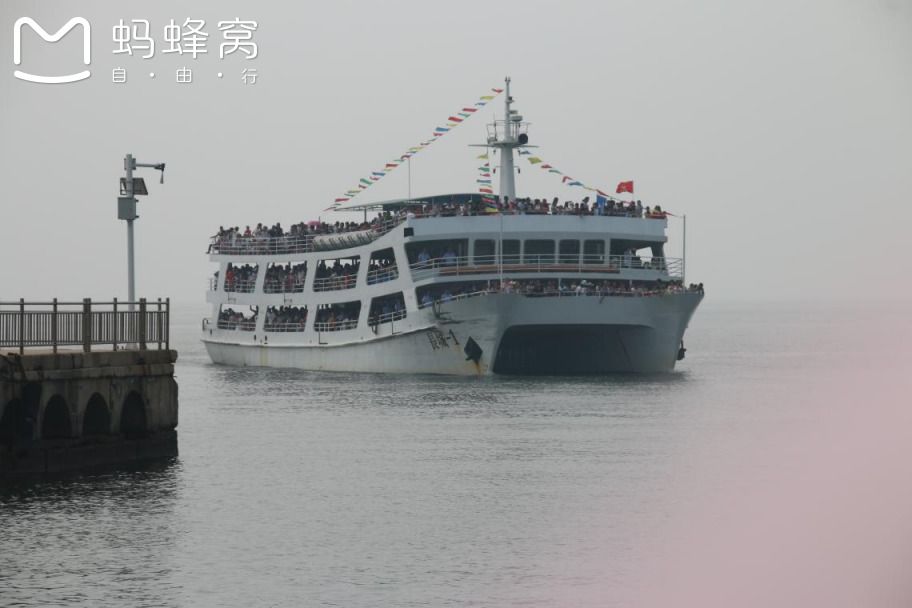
[487, 333]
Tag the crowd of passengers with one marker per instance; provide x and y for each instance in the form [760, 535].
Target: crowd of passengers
[333, 317]
[387, 308]
[380, 271]
[285, 279]
[285, 318]
[541, 206]
[262, 233]
[337, 276]
[553, 287]
[257, 238]
[240, 278]
[230, 319]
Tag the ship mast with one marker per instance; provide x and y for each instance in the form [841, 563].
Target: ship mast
[505, 135]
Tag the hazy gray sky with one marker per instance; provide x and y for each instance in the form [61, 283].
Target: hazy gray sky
[781, 128]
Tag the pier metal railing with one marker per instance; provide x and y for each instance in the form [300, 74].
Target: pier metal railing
[86, 324]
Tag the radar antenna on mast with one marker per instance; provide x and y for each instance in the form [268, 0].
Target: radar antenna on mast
[506, 135]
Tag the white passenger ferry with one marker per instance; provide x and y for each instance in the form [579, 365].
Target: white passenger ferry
[447, 284]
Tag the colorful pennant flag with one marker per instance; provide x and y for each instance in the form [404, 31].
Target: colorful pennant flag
[453, 121]
[569, 181]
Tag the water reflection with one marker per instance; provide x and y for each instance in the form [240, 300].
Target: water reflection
[101, 539]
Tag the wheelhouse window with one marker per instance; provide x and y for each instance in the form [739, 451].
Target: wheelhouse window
[241, 278]
[382, 267]
[285, 318]
[339, 273]
[228, 318]
[510, 251]
[626, 253]
[569, 251]
[538, 252]
[388, 308]
[485, 252]
[337, 317]
[594, 252]
[443, 252]
[285, 278]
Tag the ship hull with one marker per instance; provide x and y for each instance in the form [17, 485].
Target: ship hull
[495, 334]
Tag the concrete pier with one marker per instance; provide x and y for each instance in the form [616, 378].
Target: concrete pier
[69, 410]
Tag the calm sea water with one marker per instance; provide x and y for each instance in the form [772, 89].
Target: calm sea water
[306, 489]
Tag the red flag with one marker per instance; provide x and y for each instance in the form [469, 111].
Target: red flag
[625, 187]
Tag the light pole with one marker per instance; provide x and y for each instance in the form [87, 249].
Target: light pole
[130, 187]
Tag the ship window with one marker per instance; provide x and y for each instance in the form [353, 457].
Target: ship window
[382, 267]
[386, 309]
[337, 317]
[285, 318]
[285, 278]
[538, 252]
[445, 251]
[569, 252]
[594, 252]
[228, 318]
[485, 251]
[510, 251]
[240, 278]
[338, 273]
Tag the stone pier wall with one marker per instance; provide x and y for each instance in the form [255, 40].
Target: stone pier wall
[72, 409]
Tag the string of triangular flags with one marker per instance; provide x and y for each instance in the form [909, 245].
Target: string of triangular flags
[452, 122]
[566, 179]
[485, 185]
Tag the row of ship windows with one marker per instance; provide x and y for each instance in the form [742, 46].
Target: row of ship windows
[329, 317]
[342, 273]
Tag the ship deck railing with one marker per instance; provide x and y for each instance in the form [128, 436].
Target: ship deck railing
[347, 281]
[388, 317]
[87, 324]
[557, 293]
[285, 327]
[382, 275]
[245, 325]
[322, 326]
[462, 266]
[277, 286]
[240, 286]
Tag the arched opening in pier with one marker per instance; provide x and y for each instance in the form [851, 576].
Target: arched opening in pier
[133, 416]
[15, 425]
[97, 417]
[56, 423]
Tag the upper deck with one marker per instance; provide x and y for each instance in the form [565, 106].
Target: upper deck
[238, 245]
